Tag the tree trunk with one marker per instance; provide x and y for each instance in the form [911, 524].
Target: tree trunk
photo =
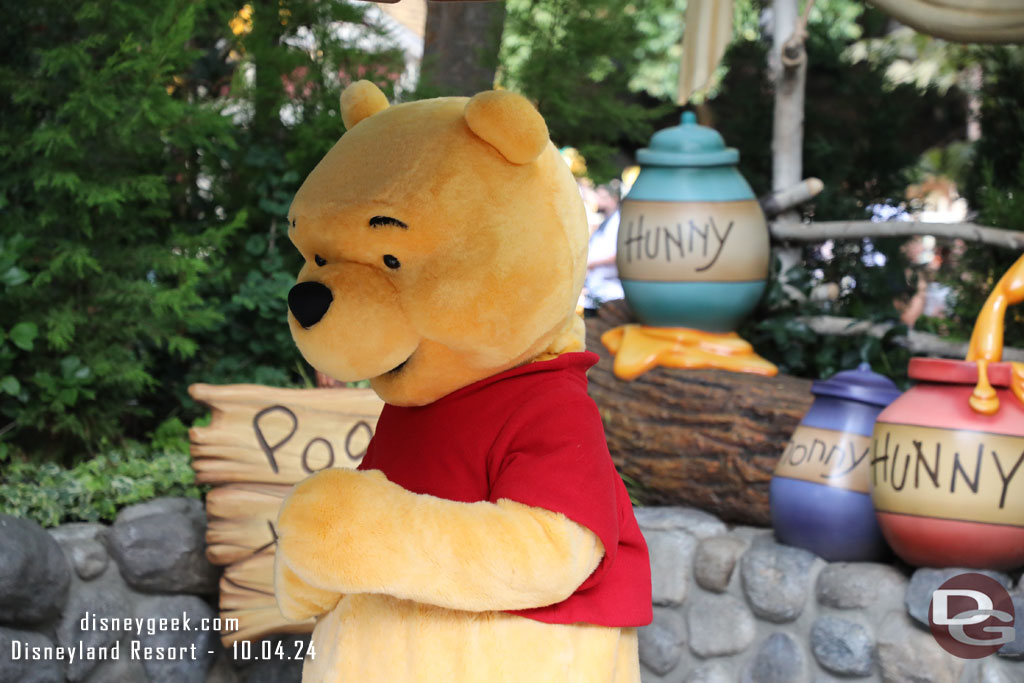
[704, 438]
[460, 48]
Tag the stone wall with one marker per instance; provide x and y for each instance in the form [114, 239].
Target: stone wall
[57, 587]
[731, 605]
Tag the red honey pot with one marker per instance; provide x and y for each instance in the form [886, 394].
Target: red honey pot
[947, 481]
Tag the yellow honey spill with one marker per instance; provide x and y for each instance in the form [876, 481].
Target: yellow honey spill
[987, 340]
[639, 348]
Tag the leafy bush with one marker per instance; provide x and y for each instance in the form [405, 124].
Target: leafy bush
[103, 251]
[94, 490]
[576, 60]
[148, 154]
[863, 137]
[780, 333]
[995, 185]
[283, 77]
[862, 134]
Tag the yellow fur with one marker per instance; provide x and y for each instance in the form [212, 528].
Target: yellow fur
[399, 641]
[356, 532]
[492, 245]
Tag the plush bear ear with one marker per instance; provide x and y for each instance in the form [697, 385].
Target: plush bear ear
[361, 100]
[509, 123]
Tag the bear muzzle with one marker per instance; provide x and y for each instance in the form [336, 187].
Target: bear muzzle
[308, 302]
[349, 323]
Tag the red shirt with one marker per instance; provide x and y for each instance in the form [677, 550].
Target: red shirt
[531, 435]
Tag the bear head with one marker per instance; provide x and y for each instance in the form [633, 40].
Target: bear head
[444, 241]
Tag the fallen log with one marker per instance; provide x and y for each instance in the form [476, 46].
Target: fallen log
[704, 438]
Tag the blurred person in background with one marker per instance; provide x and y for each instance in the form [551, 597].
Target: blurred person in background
[602, 283]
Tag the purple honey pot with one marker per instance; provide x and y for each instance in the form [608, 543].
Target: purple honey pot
[819, 493]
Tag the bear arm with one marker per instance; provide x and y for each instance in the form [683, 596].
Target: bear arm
[296, 599]
[345, 531]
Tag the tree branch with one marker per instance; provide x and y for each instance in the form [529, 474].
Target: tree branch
[775, 203]
[825, 230]
[916, 342]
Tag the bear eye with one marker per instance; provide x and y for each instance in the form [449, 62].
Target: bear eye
[391, 262]
[319, 260]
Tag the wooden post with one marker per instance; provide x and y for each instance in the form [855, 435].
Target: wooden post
[789, 73]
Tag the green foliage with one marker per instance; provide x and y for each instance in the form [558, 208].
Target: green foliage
[101, 255]
[256, 341]
[575, 59]
[283, 81]
[997, 171]
[660, 23]
[780, 332]
[861, 132]
[149, 152]
[95, 489]
[995, 185]
[148, 155]
[171, 436]
[863, 135]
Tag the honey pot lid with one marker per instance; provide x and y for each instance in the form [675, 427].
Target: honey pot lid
[949, 371]
[862, 385]
[688, 144]
[983, 365]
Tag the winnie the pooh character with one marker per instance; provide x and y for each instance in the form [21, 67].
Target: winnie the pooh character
[487, 536]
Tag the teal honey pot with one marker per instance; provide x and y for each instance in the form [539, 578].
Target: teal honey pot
[693, 248]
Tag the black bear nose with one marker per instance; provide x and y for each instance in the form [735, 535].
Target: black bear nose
[309, 302]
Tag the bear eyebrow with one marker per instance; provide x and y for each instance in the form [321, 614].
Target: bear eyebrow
[378, 221]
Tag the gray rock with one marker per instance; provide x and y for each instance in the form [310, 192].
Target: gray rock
[275, 670]
[662, 642]
[223, 671]
[991, 670]
[88, 557]
[671, 553]
[709, 672]
[753, 534]
[907, 654]
[719, 625]
[856, 585]
[780, 659]
[184, 651]
[159, 546]
[715, 560]
[79, 531]
[34, 576]
[925, 581]
[157, 506]
[82, 625]
[85, 547]
[1015, 650]
[776, 580]
[842, 646]
[121, 670]
[21, 663]
[697, 523]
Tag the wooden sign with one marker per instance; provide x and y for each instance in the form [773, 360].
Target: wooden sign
[260, 442]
